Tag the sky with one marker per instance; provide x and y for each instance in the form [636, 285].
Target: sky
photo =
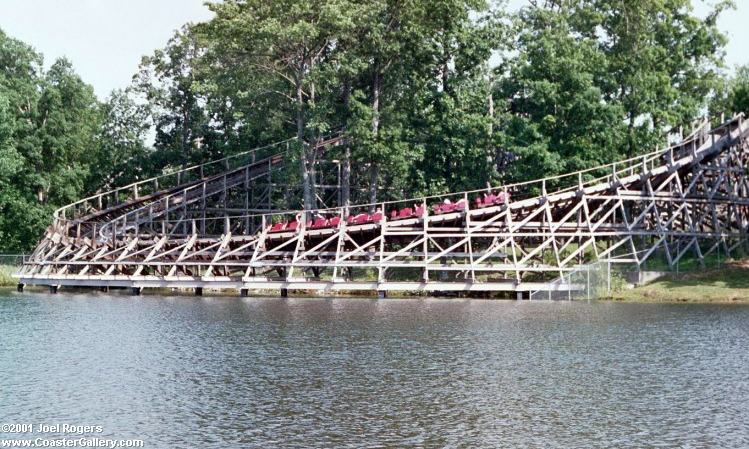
[105, 39]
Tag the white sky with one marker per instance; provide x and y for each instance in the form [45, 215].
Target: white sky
[105, 39]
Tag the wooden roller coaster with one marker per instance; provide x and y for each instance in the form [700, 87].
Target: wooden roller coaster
[217, 225]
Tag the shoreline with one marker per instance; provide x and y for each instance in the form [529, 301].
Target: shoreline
[641, 295]
[728, 284]
[725, 285]
[685, 300]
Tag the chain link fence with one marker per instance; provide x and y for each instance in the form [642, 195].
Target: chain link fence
[13, 260]
[592, 281]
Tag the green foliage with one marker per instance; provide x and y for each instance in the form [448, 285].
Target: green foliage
[558, 121]
[431, 97]
[733, 95]
[599, 80]
[49, 123]
[575, 84]
[166, 80]
[121, 157]
[663, 62]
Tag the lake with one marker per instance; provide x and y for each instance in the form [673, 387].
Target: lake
[225, 372]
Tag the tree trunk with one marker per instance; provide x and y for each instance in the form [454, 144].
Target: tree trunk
[374, 173]
[309, 197]
[491, 110]
[312, 168]
[185, 138]
[631, 149]
[346, 177]
[346, 168]
[492, 155]
[374, 169]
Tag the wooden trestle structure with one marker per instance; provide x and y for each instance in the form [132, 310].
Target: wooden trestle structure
[216, 226]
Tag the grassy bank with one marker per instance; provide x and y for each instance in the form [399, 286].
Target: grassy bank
[729, 283]
[6, 280]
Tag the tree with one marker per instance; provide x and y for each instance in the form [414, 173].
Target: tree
[48, 123]
[19, 76]
[733, 95]
[121, 155]
[598, 80]
[453, 115]
[663, 62]
[393, 62]
[66, 125]
[167, 81]
[279, 47]
[556, 117]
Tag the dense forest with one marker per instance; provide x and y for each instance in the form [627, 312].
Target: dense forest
[431, 96]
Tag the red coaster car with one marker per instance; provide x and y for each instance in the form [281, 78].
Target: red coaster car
[319, 223]
[278, 227]
[492, 199]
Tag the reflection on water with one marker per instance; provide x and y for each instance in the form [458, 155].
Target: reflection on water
[228, 372]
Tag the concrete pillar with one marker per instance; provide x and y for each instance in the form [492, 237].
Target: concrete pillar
[20, 287]
[104, 288]
[198, 291]
[284, 293]
[519, 295]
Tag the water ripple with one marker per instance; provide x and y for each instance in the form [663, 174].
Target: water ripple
[226, 372]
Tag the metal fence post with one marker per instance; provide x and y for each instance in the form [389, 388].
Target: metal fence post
[608, 277]
[588, 289]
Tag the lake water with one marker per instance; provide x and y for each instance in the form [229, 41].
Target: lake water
[186, 372]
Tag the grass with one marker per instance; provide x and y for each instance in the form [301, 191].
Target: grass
[729, 283]
[6, 280]
[688, 263]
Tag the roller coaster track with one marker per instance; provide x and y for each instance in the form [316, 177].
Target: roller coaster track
[216, 226]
